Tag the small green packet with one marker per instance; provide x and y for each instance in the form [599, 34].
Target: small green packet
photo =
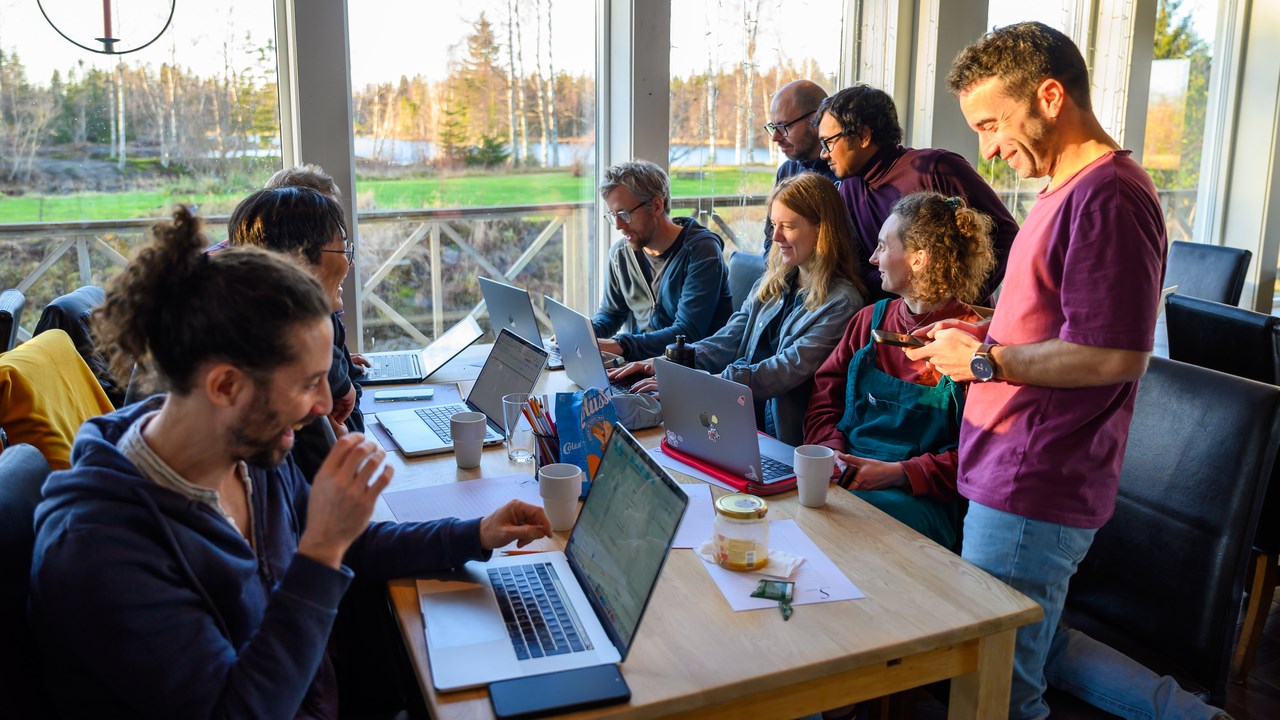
[778, 590]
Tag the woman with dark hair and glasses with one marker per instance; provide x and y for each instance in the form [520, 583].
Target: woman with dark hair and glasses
[309, 226]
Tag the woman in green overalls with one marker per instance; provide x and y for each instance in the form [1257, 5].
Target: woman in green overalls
[895, 423]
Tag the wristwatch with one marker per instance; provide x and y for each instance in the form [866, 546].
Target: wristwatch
[983, 366]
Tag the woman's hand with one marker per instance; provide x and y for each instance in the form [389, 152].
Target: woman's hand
[868, 474]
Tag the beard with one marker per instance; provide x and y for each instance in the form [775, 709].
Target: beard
[257, 438]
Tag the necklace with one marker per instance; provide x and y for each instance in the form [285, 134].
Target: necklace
[925, 318]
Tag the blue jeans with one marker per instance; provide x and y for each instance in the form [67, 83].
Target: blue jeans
[1038, 558]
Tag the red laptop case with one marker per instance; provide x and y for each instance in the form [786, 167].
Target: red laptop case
[733, 480]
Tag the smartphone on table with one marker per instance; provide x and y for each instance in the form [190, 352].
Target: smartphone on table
[406, 394]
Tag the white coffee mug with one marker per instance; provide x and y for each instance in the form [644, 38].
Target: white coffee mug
[468, 429]
[813, 465]
[560, 484]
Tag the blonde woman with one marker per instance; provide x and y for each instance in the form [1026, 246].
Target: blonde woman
[895, 422]
[796, 311]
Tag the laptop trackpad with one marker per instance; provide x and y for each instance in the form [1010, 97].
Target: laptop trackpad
[460, 613]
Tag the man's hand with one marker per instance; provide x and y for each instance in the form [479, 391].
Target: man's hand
[360, 360]
[343, 406]
[950, 352]
[610, 345]
[978, 329]
[871, 474]
[639, 367]
[517, 521]
[342, 498]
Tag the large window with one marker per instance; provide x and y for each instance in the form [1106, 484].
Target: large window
[728, 58]
[475, 155]
[92, 144]
[1176, 107]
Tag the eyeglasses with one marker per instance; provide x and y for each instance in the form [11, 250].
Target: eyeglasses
[772, 128]
[826, 141]
[625, 215]
[348, 249]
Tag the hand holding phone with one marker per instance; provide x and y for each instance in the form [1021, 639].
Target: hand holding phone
[899, 339]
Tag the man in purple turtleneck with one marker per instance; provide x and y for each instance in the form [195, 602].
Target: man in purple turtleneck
[861, 141]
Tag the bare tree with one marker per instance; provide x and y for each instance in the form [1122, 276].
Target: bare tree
[120, 126]
[539, 86]
[551, 93]
[513, 82]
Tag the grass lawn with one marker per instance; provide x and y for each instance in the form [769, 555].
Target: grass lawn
[464, 191]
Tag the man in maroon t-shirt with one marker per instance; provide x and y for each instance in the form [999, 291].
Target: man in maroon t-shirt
[1055, 372]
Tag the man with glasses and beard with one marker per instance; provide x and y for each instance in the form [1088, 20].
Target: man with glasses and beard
[182, 566]
[790, 127]
[860, 138]
[667, 275]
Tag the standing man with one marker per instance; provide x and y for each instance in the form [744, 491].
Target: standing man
[790, 126]
[666, 275]
[860, 138]
[1054, 375]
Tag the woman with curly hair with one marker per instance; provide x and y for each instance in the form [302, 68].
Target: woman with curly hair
[893, 422]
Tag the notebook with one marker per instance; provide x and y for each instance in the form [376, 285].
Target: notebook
[411, 366]
[710, 423]
[479, 631]
[513, 366]
[511, 308]
[583, 359]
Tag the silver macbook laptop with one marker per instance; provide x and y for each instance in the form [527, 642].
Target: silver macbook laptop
[583, 360]
[513, 366]
[532, 614]
[410, 366]
[511, 307]
[714, 420]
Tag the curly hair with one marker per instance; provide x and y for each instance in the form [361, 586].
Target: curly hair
[863, 107]
[291, 220]
[814, 198]
[957, 239]
[1023, 56]
[174, 307]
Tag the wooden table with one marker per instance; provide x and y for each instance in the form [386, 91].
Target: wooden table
[928, 615]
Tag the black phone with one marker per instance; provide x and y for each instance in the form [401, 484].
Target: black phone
[558, 692]
[899, 339]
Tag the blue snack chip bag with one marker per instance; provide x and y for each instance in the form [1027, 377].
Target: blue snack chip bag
[585, 421]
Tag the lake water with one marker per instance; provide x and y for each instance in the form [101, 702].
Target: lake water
[416, 152]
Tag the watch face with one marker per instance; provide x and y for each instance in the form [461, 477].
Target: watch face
[982, 368]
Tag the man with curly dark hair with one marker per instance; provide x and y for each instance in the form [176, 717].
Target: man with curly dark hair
[861, 140]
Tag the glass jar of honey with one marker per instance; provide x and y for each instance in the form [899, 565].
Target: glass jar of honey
[741, 533]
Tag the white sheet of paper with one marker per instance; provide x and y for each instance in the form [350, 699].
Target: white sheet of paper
[818, 579]
[699, 517]
[671, 463]
[466, 499]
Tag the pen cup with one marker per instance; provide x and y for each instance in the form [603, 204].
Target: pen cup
[520, 440]
[548, 448]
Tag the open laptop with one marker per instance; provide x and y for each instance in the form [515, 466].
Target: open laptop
[485, 622]
[713, 420]
[583, 360]
[511, 307]
[513, 366]
[408, 366]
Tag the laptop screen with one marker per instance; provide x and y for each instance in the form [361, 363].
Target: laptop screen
[513, 366]
[623, 534]
[448, 345]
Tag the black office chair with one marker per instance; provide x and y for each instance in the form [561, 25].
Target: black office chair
[1164, 578]
[11, 304]
[1246, 344]
[1209, 272]
[744, 269]
[71, 313]
[22, 473]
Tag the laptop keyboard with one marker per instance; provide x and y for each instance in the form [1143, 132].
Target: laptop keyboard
[393, 366]
[538, 619]
[774, 470]
[437, 418]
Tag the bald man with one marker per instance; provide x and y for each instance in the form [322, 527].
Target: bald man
[791, 127]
